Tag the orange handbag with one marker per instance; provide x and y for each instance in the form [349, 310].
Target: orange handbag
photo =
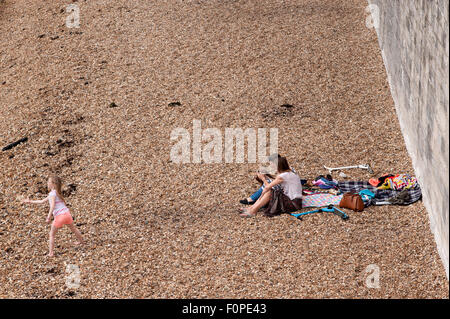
[352, 201]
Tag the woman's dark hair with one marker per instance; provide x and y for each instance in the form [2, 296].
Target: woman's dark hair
[282, 165]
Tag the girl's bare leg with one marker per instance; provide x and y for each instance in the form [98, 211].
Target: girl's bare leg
[51, 243]
[77, 234]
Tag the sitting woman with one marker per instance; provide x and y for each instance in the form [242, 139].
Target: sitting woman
[256, 195]
[286, 199]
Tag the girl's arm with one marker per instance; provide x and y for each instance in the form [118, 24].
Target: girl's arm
[52, 206]
[41, 201]
[276, 181]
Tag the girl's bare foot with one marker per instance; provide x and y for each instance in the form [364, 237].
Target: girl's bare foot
[50, 255]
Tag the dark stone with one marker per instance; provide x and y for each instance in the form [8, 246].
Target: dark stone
[70, 189]
[172, 104]
[14, 144]
[288, 106]
[51, 270]
[113, 105]
[69, 161]
[41, 190]
[63, 144]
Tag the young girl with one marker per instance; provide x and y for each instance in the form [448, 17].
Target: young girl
[59, 210]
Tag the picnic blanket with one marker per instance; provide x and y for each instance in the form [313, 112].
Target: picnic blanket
[320, 200]
[405, 196]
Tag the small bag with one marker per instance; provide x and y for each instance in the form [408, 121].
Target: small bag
[352, 201]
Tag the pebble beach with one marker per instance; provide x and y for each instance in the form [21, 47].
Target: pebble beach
[97, 105]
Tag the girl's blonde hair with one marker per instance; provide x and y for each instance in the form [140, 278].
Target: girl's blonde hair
[56, 181]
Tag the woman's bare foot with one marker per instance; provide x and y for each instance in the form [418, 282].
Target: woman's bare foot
[50, 255]
[247, 214]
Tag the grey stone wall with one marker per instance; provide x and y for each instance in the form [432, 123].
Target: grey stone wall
[413, 37]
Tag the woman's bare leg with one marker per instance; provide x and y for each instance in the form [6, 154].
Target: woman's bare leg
[262, 201]
[250, 207]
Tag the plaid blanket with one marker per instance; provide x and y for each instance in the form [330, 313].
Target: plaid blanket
[383, 196]
[355, 186]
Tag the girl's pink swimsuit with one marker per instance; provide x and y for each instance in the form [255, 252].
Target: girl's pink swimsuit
[61, 213]
[60, 207]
